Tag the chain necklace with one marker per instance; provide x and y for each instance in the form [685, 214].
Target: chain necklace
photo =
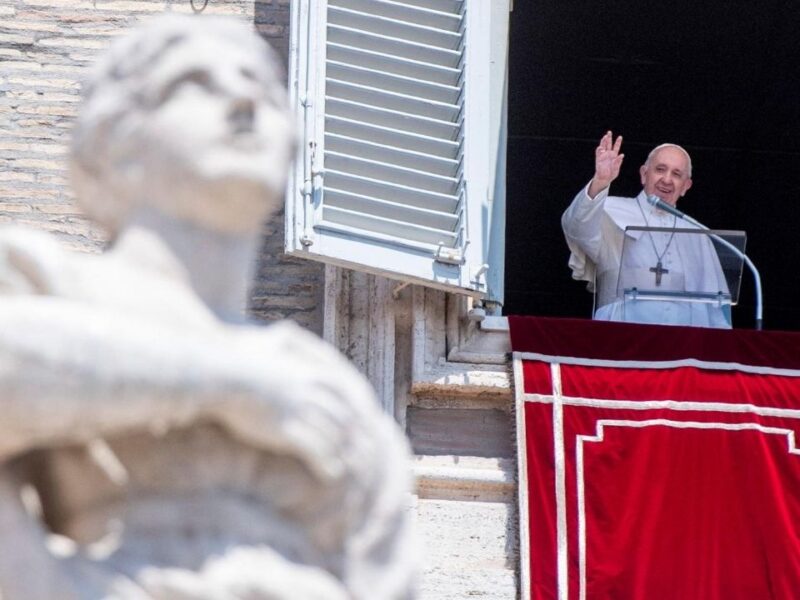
[659, 269]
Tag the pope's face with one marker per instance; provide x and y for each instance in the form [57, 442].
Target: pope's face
[666, 175]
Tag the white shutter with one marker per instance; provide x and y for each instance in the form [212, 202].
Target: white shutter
[392, 175]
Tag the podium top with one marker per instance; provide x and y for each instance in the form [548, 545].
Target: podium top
[674, 266]
[695, 264]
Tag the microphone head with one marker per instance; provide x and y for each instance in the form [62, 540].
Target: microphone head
[655, 200]
[661, 205]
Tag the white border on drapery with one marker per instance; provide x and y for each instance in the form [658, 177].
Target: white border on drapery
[600, 426]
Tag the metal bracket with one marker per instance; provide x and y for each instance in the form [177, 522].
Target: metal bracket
[449, 256]
[477, 274]
[480, 271]
[399, 288]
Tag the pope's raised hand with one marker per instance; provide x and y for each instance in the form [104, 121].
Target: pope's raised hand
[607, 162]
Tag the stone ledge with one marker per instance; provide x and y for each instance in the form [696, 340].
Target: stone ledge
[465, 478]
[489, 344]
[465, 381]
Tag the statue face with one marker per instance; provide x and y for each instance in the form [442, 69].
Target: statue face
[189, 121]
[666, 175]
[217, 112]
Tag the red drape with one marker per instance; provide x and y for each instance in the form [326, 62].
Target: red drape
[652, 467]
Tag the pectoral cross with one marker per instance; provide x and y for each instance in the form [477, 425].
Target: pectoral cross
[658, 270]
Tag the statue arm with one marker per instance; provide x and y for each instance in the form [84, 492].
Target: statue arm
[73, 374]
[30, 261]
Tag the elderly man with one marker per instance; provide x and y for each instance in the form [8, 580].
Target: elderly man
[595, 228]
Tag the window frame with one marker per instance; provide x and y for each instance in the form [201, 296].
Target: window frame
[479, 270]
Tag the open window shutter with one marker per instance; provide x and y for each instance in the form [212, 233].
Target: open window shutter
[392, 175]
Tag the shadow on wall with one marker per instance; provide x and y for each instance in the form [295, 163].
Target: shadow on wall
[271, 19]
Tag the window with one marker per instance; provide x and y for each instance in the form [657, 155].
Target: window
[400, 106]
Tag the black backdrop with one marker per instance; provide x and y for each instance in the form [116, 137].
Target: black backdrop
[720, 78]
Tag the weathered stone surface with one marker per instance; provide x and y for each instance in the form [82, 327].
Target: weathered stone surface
[457, 477]
[459, 431]
[48, 46]
[468, 548]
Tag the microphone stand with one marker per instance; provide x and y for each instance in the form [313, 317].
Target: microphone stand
[661, 205]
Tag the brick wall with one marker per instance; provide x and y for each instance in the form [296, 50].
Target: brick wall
[45, 47]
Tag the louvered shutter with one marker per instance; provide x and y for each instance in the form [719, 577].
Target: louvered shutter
[392, 175]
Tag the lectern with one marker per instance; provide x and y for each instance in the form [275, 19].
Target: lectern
[683, 276]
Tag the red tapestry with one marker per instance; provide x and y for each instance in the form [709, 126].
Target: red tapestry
[651, 468]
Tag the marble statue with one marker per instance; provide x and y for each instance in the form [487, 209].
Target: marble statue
[152, 443]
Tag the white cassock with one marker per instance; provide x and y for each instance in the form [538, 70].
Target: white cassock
[595, 232]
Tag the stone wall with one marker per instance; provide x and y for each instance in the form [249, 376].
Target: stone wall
[45, 48]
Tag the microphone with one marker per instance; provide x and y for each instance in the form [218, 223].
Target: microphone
[668, 208]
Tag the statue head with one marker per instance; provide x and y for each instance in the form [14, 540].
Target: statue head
[186, 117]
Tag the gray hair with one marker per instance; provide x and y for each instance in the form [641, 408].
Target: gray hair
[655, 150]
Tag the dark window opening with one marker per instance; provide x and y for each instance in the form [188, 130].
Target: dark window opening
[722, 79]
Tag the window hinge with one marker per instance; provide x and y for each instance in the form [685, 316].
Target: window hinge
[449, 256]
